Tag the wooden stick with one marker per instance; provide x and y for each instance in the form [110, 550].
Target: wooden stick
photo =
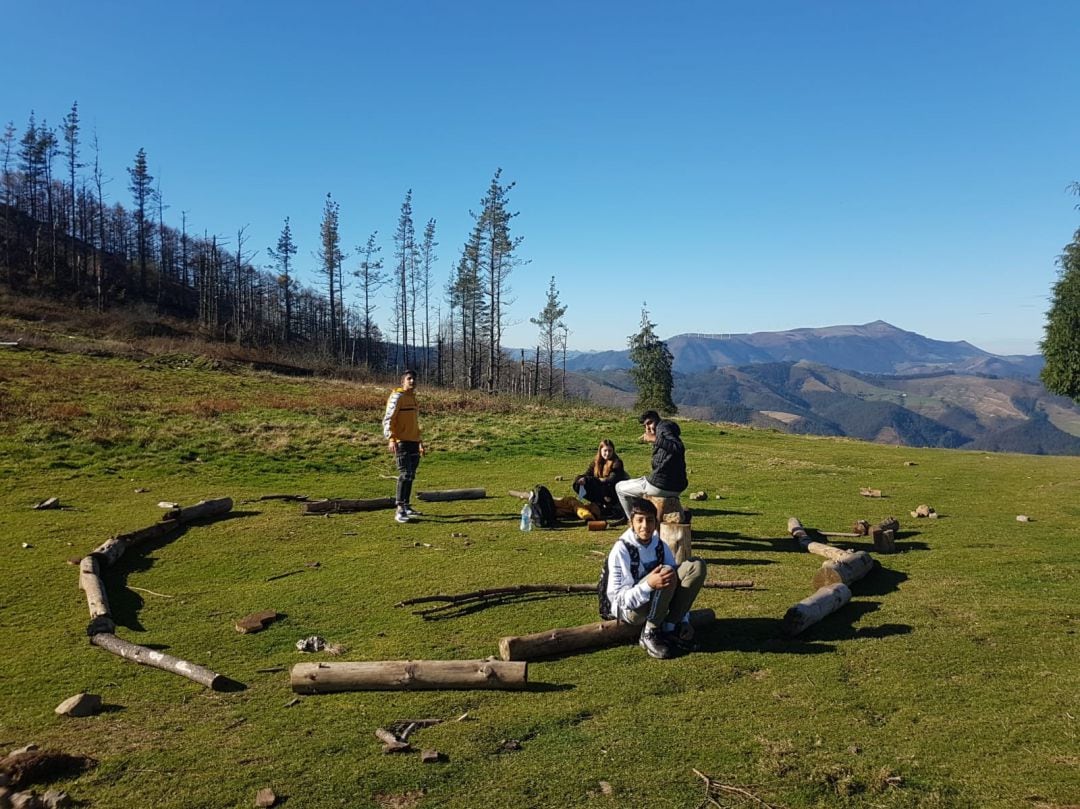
[346, 506]
[846, 570]
[407, 675]
[796, 529]
[452, 494]
[160, 660]
[814, 607]
[575, 638]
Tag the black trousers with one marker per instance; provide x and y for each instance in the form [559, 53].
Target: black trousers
[408, 460]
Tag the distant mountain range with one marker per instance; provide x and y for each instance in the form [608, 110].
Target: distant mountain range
[875, 382]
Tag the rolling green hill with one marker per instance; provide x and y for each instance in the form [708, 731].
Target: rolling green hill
[948, 681]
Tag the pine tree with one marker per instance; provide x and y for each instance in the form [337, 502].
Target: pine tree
[71, 152]
[282, 256]
[426, 263]
[371, 279]
[331, 257]
[142, 190]
[652, 368]
[1061, 345]
[550, 322]
[404, 258]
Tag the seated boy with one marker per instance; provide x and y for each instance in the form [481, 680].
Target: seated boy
[644, 587]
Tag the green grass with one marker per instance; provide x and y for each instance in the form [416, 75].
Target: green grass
[954, 667]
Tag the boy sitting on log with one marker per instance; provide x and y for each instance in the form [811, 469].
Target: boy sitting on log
[641, 585]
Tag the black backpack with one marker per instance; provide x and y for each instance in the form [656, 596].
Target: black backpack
[635, 570]
[542, 505]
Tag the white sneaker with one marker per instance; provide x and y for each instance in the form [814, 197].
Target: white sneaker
[412, 512]
[401, 516]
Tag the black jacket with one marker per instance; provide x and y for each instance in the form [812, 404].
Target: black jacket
[668, 458]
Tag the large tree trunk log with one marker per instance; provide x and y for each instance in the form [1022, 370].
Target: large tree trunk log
[677, 537]
[111, 550]
[796, 529]
[846, 570]
[452, 494]
[407, 675]
[669, 506]
[814, 607]
[828, 551]
[574, 638]
[90, 583]
[200, 511]
[346, 506]
[159, 660]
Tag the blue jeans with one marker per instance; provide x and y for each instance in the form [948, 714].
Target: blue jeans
[408, 459]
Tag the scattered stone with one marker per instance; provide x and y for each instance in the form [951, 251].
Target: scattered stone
[293, 701]
[910, 463]
[256, 622]
[431, 756]
[458, 535]
[699, 496]
[74, 560]
[507, 745]
[52, 502]
[924, 510]
[718, 497]
[311, 644]
[79, 705]
[870, 492]
[861, 528]
[265, 798]
[27, 546]
[606, 788]
[854, 749]
[141, 490]
[167, 504]
[312, 564]
[560, 477]
[56, 799]
[1023, 518]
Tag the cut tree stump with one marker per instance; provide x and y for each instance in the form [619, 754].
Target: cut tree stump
[408, 675]
[346, 506]
[677, 536]
[845, 570]
[575, 638]
[159, 660]
[668, 507]
[814, 607]
[452, 494]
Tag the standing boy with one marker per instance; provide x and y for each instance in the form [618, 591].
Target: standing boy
[668, 475]
[646, 588]
[401, 427]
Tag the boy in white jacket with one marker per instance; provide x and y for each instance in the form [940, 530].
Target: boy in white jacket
[646, 588]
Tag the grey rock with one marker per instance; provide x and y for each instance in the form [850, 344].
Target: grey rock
[80, 705]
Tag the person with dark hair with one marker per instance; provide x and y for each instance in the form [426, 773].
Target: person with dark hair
[597, 483]
[645, 587]
[401, 428]
[668, 476]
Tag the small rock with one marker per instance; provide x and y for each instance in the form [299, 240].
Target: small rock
[28, 748]
[458, 535]
[311, 644]
[606, 788]
[141, 490]
[265, 798]
[256, 622]
[1023, 518]
[910, 463]
[718, 497]
[396, 747]
[560, 477]
[28, 545]
[74, 560]
[923, 510]
[431, 756]
[699, 496]
[167, 504]
[854, 749]
[56, 799]
[312, 564]
[52, 502]
[79, 705]
[507, 745]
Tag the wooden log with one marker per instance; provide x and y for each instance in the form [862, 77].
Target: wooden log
[96, 599]
[828, 551]
[111, 550]
[796, 529]
[677, 537]
[846, 570]
[667, 506]
[159, 660]
[346, 506]
[407, 675]
[202, 510]
[575, 638]
[814, 607]
[452, 494]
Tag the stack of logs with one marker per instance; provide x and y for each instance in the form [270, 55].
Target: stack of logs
[832, 582]
[101, 626]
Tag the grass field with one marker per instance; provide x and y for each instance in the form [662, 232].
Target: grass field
[951, 679]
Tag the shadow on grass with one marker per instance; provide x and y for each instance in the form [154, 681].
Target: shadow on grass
[730, 541]
[720, 512]
[125, 603]
[460, 610]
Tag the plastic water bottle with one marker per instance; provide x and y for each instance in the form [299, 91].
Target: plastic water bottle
[526, 517]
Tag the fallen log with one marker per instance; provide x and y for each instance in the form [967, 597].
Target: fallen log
[346, 506]
[96, 599]
[172, 520]
[826, 550]
[796, 529]
[847, 569]
[677, 537]
[452, 494]
[407, 675]
[575, 638]
[159, 660]
[202, 510]
[814, 607]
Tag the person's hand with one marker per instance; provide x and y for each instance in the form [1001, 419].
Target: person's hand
[663, 578]
[649, 436]
[423, 449]
[392, 446]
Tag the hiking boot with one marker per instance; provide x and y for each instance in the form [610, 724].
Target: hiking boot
[401, 516]
[655, 644]
[412, 512]
[680, 643]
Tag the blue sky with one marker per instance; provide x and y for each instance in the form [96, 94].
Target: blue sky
[739, 166]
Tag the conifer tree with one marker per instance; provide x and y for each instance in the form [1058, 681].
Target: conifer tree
[371, 279]
[404, 258]
[651, 371]
[1061, 345]
[550, 322]
[142, 191]
[71, 152]
[282, 256]
[331, 257]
